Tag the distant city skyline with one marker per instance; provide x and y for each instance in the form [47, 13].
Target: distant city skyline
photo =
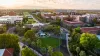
[50, 4]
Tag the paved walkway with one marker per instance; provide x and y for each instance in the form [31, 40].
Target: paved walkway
[21, 45]
[35, 19]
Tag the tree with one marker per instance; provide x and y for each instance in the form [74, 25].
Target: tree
[57, 22]
[57, 54]
[28, 41]
[33, 43]
[10, 41]
[48, 28]
[82, 53]
[75, 34]
[30, 34]
[3, 29]
[77, 50]
[75, 37]
[95, 20]
[56, 30]
[52, 28]
[78, 30]
[50, 50]
[25, 20]
[24, 40]
[38, 43]
[98, 45]
[19, 30]
[89, 41]
[43, 50]
[27, 52]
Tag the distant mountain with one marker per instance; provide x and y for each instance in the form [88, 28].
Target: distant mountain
[30, 7]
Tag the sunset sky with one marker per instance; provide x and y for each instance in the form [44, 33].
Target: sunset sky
[51, 4]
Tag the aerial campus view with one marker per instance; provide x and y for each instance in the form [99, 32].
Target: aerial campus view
[49, 28]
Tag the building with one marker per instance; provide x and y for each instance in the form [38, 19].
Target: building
[46, 14]
[41, 34]
[6, 52]
[12, 13]
[93, 30]
[34, 25]
[62, 17]
[73, 23]
[83, 19]
[89, 17]
[10, 19]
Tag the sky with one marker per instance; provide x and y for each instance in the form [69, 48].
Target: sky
[50, 4]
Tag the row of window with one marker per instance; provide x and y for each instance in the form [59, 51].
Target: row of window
[8, 22]
[4, 22]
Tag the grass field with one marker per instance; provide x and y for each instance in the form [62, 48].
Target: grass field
[49, 41]
[30, 21]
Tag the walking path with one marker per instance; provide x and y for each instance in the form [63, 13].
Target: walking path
[37, 53]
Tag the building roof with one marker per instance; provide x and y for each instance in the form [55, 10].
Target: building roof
[1, 52]
[6, 52]
[38, 24]
[90, 30]
[11, 13]
[41, 33]
[73, 22]
[6, 18]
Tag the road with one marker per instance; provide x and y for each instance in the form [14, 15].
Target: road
[65, 31]
[11, 30]
[21, 45]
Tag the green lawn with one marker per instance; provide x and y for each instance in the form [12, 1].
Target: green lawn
[30, 21]
[49, 41]
[40, 19]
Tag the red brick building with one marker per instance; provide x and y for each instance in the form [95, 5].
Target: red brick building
[73, 23]
[93, 30]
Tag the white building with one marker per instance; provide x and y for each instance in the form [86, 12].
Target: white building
[10, 19]
[91, 17]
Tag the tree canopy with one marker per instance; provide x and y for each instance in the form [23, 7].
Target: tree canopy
[3, 29]
[27, 52]
[89, 41]
[9, 41]
[30, 34]
[82, 53]
[57, 54]
[52, 28]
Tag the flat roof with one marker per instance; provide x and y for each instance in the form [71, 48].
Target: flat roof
[2, 52]
[38, 24]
